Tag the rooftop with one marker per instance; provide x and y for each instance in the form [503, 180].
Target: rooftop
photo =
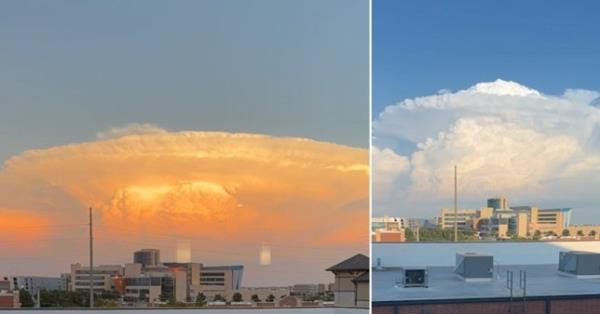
[356, 262]
[444, 284]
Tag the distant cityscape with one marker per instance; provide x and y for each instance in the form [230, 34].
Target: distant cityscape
[496, 221]
[148, 282]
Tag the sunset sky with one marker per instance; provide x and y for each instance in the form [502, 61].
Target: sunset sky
[229, 128]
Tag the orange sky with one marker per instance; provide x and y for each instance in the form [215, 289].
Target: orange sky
[225, 193]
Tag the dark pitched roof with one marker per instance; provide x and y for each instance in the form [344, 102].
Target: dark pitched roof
[356, 262]
[362, 278]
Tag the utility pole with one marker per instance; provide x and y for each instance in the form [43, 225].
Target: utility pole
[91, 263]
[455, 208]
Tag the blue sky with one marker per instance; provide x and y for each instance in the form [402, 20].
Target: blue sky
[290, 68]
[532, 136]
[420, 47]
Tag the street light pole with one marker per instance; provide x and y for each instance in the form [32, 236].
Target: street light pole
[91, 263]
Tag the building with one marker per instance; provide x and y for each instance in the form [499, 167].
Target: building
[497, 203]
[148, 289]
[388, 235]
[9, 299]
[103, 277]
[547, 289]
[350, 285]
[387, 223]
[187, 280]
[34, 283]
[388, 229]
[466, 219]
[65, 282]
[498, 221]
[147, 257]
[223, 280]
[547, 221]
[591, 232]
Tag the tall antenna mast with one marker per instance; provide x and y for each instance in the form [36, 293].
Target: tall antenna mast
[91, 264]
[455, 208]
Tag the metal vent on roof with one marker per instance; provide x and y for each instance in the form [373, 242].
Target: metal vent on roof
[474, 267]
[579, 264]
[414, 277]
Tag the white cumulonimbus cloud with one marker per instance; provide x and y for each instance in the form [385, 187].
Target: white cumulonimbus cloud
[505, 138]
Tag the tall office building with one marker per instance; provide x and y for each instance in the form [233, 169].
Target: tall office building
[147, 257]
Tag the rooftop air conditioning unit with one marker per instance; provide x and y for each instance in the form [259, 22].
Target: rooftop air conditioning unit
[579, 264]
[474, 267]
[414, 277]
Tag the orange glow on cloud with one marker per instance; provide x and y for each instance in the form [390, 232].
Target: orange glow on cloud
[219, 189]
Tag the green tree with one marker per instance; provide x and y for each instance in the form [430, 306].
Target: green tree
[25, 298]
[593, 233]
[409, 235]
[218, 298]
[200, 299]
[580, 233]
[537, 235]
[237, 297]
[566, 233]
[255, 298]
[270, 298]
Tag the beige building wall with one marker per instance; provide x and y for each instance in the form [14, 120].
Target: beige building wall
[466, 218]
[362, 294]
[390, 236]
[180, 285]
[502, 231]
[133, 270]
[151, 292]
[344, 291]
[546, 221]
[102, 277]
[522, 223]
[586, 229]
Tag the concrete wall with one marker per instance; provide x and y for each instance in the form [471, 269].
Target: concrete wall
[344, 299]
[505, 253]
[552, 306]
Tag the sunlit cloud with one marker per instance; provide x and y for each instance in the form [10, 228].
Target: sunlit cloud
[505, 138]
[222, 191]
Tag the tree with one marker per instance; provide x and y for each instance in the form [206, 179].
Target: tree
[537, 235]
[409, 235]
[580, 233]
[566, 233]
[593, 233]
[255, 298]
[25, 298]
[237, 297]
[218, 298]
[549, 234]
[200, 299]
[270, 298]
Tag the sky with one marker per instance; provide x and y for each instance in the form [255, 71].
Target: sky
[229, 125]
[507, 91]
[73, 68]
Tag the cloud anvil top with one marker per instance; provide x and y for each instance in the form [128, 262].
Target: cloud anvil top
[506, 138]
[201, 185]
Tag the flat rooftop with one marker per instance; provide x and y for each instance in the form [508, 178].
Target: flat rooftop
[444, 284]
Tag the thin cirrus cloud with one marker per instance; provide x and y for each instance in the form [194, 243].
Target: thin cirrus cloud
[226, 192]
[506, 139]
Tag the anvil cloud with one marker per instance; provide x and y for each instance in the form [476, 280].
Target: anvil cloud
[226, 193]
[506, 139]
